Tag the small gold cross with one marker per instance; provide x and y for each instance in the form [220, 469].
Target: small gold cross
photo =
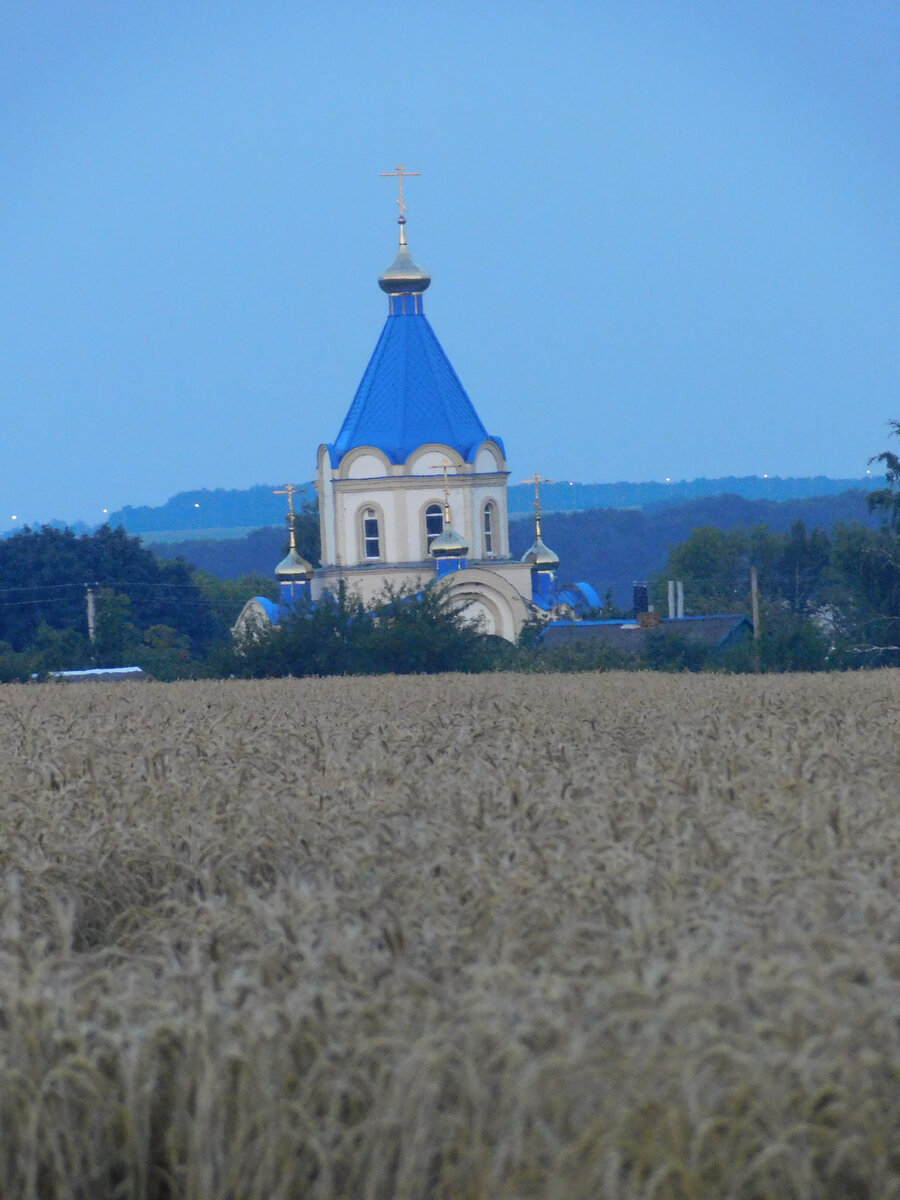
[442, 466]
[288, 490]
[537, 480]
[398, 174]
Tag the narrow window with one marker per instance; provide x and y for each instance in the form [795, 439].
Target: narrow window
[489, 529]
[434, 524]
[371, 546]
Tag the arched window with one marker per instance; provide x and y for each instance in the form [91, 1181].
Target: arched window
[371, 539]
[434, 524]
[489, 528]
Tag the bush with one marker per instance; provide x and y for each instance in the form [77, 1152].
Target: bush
[406, 634]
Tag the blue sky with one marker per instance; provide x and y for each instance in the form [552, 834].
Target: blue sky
[663, 236]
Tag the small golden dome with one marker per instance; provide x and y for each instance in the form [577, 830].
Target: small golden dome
[404, 274]
[540, 557]
[447, 544]
[292, 566]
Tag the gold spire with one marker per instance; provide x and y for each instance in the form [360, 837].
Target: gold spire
[398, 172]
[539, 555]
[448, 542]
[293, 565]
[442, 466]
[404, 275]
[288, 490]
[537, 480]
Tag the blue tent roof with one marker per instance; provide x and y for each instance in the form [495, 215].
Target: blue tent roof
[409, 395]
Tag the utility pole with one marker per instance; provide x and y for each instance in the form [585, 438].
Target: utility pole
[754, 601]
[91, 611]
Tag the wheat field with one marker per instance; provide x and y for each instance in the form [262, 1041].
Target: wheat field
[586, 937]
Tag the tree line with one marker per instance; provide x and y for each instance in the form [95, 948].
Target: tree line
[828, 600]
[611, 545]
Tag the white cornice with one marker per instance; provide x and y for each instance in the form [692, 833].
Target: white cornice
[392, 483]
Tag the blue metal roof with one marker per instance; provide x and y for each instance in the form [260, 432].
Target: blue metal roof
[410, 395]
[581, 596]
[269, 607]
[713, 629]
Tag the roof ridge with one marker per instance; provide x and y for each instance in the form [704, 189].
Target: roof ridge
[351, 420]
[404, 374]
[439, 383]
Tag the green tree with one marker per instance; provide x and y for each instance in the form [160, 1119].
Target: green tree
[425, 633]
[801, 568]
[164, 654]
[43, 573]
[714, 566]
[15, 666]
[788, 642]
[306, 532]
[866, 585]
[887, 500]
[323, 639]
[60, 649]
[795, 575]
[867, 563]
[664, 651]
[116, 635]
[226, 597]
[791, 642]
[405, 633]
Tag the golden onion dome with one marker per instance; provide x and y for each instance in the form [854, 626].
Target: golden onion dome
[540, 557]
[404, 274]
[293, 566]
[448, 544]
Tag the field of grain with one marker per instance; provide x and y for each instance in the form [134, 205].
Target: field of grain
[591, 937]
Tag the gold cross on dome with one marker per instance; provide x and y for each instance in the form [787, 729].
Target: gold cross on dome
[288, 490]
[442, 466]
[537, 480]
[398, 173]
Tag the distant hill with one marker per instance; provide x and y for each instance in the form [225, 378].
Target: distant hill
[575, 497]
[214, 514]
[607, 547]
[614, 547]
[221, 509]
[230, 557]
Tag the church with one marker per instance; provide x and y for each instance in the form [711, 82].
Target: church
[412, 491]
